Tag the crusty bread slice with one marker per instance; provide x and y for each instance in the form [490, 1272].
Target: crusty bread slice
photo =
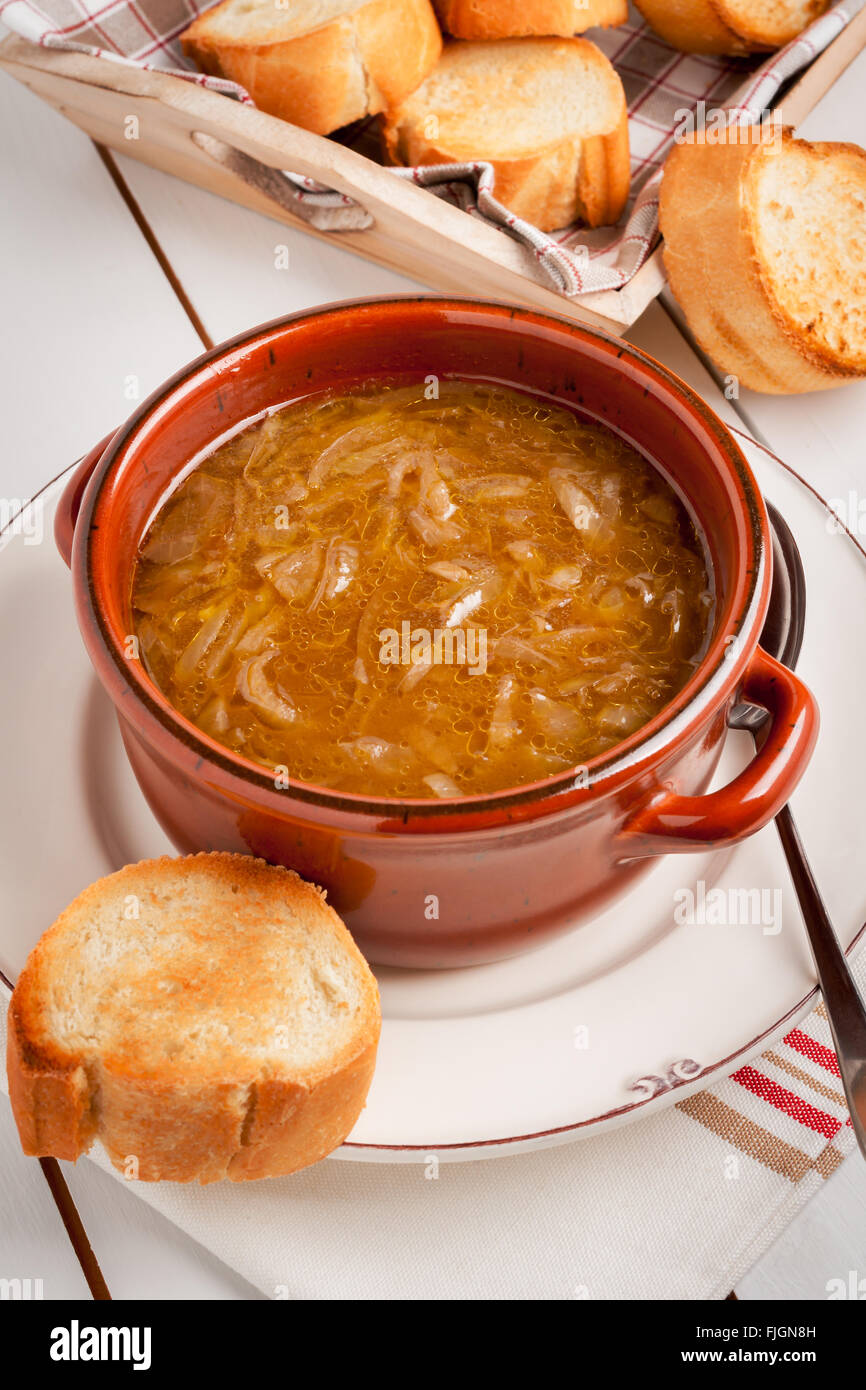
[730, 26]
[318, 63]
[205, 1017]
[764, 251]
[549, 114]
[514, 19]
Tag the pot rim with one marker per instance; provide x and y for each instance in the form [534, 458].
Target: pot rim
[706, 687]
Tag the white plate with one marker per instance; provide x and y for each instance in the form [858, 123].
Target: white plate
[626, 1014]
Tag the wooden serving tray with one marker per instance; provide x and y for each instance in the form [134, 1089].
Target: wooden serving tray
[232, 149]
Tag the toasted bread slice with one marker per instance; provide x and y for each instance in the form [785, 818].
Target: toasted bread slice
[730, 26]
[205, 1017]
[318, 63]
[549, 115]
[764, 251]
[514, 19]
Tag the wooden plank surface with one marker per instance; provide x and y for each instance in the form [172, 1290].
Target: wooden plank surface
[239, 267]
[84, 311]
[87, 319]
[97, 299]
[33, 1244]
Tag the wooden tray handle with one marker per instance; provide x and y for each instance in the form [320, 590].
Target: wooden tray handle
[272, 184]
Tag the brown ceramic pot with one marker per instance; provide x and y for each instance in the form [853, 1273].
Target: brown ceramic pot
[443, 883]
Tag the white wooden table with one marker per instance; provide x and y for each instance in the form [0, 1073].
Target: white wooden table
[111, 277]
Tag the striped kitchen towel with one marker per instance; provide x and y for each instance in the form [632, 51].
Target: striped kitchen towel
[678, 1205]
[661, 86]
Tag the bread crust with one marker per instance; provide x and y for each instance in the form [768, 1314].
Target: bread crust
[51, 1101]
[514, 19]
[353, 66]
[694, 26]
[185, 1127]
[717, 26]
[556, 184]
[708, 218]
[769, 30]
[290, 1130]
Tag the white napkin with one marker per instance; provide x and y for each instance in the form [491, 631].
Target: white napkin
[679, 1205]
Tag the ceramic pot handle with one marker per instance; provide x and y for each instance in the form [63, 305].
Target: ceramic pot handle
[670, 823]
[70, 503]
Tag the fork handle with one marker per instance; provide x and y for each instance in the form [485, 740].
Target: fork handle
[846, 1010]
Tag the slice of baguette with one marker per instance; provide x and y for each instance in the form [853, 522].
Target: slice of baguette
[764, 248]
[318, 63]
[730, 26]
[204, 1018]
[514, 19]
[549, 114]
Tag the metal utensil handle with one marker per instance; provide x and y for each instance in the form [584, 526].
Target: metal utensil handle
[846, 1010]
